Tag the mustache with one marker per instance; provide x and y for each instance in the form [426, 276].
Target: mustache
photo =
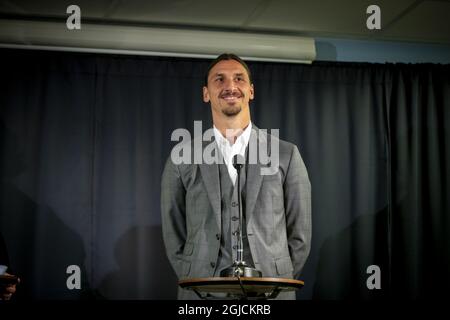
[237, 94]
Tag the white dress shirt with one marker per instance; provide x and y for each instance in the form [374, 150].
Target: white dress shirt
[229, 151]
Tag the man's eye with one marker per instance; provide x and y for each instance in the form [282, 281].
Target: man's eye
[239, 79]
[219, 79]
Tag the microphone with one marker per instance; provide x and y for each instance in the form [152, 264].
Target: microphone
[239, 267]
[238, 163]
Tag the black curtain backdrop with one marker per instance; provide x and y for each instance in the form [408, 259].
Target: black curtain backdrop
[84, 138]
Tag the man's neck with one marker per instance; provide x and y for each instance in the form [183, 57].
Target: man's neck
[231, 127]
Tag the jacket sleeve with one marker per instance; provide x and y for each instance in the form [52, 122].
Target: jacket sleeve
[297, 199]
[173, 215]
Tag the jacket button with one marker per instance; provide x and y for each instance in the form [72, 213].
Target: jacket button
[213, 264]
[235, 247]
[218, 236]
[234, 204]
[234, 218]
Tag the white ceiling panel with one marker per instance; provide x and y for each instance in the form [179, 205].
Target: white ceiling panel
[428, 22]
[229, 13]
[54, 7]
[327, 16]
[401, 20]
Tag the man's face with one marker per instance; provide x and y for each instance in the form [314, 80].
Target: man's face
[229, 89]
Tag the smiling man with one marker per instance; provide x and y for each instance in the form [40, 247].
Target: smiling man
[199, 201]
[229, 89]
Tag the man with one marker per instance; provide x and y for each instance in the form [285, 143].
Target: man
[198, 201]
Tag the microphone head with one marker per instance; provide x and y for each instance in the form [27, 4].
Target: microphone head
[238, 161]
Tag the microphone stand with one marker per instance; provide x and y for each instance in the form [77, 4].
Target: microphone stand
[240, 267]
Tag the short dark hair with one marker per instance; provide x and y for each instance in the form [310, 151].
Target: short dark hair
[227, 56]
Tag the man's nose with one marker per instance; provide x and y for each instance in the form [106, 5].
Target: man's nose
[229, 85]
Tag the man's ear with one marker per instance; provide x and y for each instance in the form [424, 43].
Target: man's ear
[205, 95]
[252, 92]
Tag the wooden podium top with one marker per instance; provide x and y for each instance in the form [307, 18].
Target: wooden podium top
[248, 287]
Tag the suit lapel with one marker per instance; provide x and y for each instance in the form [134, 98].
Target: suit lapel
[210, 175]
[254, 176]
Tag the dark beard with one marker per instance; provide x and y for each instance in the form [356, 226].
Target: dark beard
[232, 111]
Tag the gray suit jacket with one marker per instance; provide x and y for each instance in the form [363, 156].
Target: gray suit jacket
[278, 215]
